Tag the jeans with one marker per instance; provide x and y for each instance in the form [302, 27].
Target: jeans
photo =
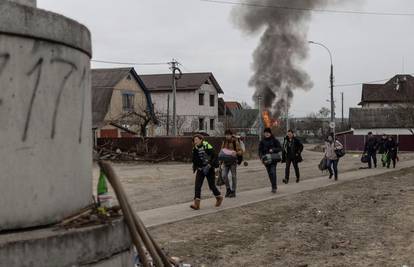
[271, 171]
[295, 166]
[211, 183]
[233, 169]
[333, 167]
[372, 155]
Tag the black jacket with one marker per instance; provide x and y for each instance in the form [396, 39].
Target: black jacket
[391, 147]
[204, 155]
[268, 144]
[382, 145]
[293, 151]
[371, 145]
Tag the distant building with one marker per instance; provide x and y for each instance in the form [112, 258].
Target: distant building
[120, 103]
[197, 103]
[385, 109]
[245, 122]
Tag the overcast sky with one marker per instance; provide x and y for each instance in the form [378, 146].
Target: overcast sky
[202, 36]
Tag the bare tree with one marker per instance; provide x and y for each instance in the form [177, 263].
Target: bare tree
[245, 105]
[137, 121]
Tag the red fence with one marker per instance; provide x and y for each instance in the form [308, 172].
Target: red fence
[179, 148]
[357, 142]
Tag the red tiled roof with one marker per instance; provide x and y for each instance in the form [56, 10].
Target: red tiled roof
[233, 105]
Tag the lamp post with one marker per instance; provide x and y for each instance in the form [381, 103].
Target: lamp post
[331, 78]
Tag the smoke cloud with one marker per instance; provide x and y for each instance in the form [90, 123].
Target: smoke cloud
[283, 46]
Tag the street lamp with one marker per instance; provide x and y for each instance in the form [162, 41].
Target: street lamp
[331, 78]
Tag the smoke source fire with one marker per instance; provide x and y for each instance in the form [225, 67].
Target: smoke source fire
[268, 121]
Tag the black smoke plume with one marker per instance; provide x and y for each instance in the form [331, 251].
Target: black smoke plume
[283, 46]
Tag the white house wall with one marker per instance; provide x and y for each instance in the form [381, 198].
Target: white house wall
[189, 108]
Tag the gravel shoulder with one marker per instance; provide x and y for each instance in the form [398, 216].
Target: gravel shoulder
[368, 222]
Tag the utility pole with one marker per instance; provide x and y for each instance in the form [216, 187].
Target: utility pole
[168, 115]
[287, 112]
[175, 69]
[342, 100]
[331, 79]
[259, 101]
[333, 126]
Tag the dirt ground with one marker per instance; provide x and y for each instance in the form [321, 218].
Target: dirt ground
[157, 185]
[368, 222]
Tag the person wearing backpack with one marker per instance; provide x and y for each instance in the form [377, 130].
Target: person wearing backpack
[204, 162]
[269, 149]
[292, 155]
[332, 147]
[230, 165]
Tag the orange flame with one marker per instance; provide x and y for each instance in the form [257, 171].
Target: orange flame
[268, 121]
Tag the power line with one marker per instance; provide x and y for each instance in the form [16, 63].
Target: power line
[361, 83]
[130, 63]
[299, 9]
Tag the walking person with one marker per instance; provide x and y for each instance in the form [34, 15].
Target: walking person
[371, 146]
[230, 164]
[382, 149]
[331, 147]
[292, 155]
[392, 150]
[204, 162]
[269, 149]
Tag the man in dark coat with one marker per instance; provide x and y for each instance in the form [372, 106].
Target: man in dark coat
[292, 155]
[268, 146]
[371, 146]
[391, 148]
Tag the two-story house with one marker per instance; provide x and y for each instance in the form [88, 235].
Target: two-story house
[196, 103]
[121, 104]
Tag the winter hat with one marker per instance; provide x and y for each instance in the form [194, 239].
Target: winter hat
[268, 130]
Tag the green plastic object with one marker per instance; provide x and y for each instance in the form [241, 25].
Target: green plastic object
[102, 185]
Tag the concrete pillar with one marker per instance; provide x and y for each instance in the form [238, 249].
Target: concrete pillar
[25, 2]
[45, 116]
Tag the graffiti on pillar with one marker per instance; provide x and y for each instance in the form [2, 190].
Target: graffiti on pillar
[37, 68]
[81, 83]
[4, 59]
[35, 73]
[72, 69]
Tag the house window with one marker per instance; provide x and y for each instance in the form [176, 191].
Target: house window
[211, 124]
[128, 102]
[201, 99]
[212, 100]
[201, 124]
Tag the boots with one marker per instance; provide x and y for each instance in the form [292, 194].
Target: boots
[196, 204]
[219, 200]
[228, 193]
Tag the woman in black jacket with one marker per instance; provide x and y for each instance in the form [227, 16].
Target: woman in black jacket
[204, 162]
[268, 146]
[292, 155]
